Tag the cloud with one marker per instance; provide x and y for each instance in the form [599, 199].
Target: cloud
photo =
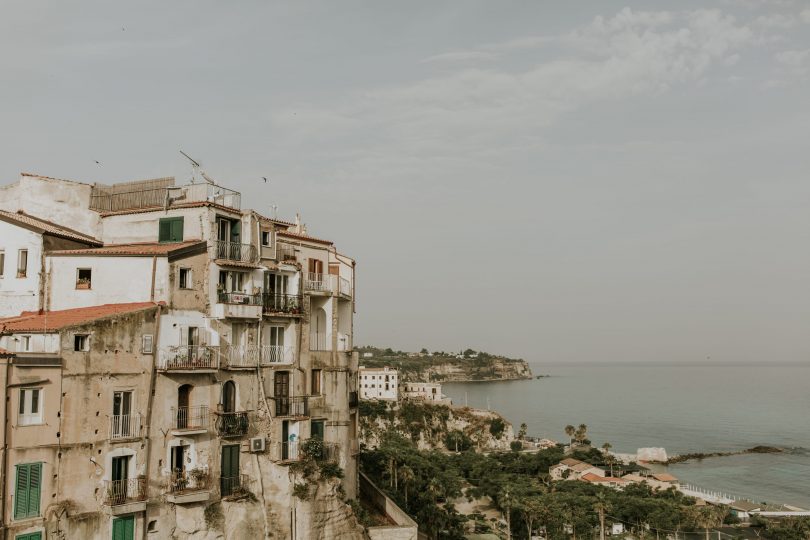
[795, 62]
[460, 56]
[805, 15]
[775, 20]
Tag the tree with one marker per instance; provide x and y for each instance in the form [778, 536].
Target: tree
[505, 502]
[522, 431]
[609, 458]
[601, 506]
[531, 509]
[407, 475]
[570, 431]
[423, 351]
[581, 433]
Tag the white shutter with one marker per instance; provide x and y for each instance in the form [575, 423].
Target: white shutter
[184, 336]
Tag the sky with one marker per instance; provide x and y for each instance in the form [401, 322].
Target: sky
[557, 181]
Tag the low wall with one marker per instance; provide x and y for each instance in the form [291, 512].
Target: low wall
[405, 528]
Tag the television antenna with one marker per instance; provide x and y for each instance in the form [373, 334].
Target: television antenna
[197, 168]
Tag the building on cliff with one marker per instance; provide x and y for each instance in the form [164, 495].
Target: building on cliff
[424, 391]
[168, 358]
[379, 383]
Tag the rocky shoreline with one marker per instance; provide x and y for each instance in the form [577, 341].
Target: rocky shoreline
[704, 455]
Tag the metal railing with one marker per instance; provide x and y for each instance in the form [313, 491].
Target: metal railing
[211, 193]
[233, 485]
[233, 424]
[319, 282]
[239, 298]
[124, 491]
[277, 354]
[285, 252]
[195, 417]
[234, 251]
[320, 342]
[289, 451]
[283, 303]
[183, 357]
[291, 406]
[188, 481]
[125, 426]
[244, 357]
[344, 286]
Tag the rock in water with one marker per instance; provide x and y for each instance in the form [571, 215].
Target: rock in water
[651, 454]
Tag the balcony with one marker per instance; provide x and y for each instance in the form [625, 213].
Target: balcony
[277, 354]
[285, 253]
[235, 252]
[186, 359]
[238, 305]
[288, 451]
[283, 304]
[190, 420]
[125, 496]
[344, 287]
[233, 424]
[189, 486]
[319, 282]
[242, 357]
[125, 426]
[291, 406]
[234, 486]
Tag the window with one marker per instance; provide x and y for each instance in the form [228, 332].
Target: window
[2, 262]
[276, 336]
[170, 230]
[83, 278]
[81, 342]
[30, 408]
[266, 238]
[22, 263]
[28, 485]
[231, 281]
[185, 278]
[29, 536]
[316, 382]
[25, 343]
[148, 344]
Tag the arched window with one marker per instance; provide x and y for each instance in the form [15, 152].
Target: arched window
[229, 397]
[183, 403]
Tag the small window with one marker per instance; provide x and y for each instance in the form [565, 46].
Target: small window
[25, 343]
[266, 238]
[81, 342]
[185, 278]
[316, 382]
[30, 407]
[2, 262]
[22, 263]
[170, 229]
[147, 346]
[83, 278]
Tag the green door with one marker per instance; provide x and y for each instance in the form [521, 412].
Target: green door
[124, 528]
[229, 477]
[29, 536]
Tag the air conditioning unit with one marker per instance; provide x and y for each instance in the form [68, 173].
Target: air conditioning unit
[257, 444]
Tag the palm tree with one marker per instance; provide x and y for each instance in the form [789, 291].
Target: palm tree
[570, 431]
[601, 506]
[407, 475]
[581, 433]
[434, 487]
[609, 459]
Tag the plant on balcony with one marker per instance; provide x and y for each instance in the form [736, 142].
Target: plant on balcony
[83, 283]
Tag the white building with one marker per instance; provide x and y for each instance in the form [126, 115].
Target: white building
[424, 391]
[378, 383]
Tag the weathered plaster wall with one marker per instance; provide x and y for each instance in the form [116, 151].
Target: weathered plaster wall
[19, 294]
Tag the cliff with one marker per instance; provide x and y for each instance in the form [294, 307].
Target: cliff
[441, 367]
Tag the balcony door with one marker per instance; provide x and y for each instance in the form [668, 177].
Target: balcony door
[281, 392]
[119, 477]
[229, 479]
[229, 397]
[183, 400]
[179, 462]
[122, 410]
[315, 266]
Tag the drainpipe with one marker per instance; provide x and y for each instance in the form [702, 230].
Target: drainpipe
[154, 271]
[6, 434]
[149, 402]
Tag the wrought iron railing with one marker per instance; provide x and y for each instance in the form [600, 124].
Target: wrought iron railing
[125, 426]
[188, 481]
[233, 424]
[289, 451]
[329, 451]
[195, 417]
[277, 354]
[291, 406]
[124, 491]
[291, 304]
[285, 252]
[233, 485]
[239, 298]
[319, 282]
[234, 251]
[243, 357]
[185, 358]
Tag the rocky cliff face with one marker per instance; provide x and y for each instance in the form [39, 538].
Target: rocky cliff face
[463, 369]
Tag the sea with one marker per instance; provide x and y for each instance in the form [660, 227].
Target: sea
[682, 408]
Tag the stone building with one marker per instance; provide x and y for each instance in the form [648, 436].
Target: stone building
[172, 363]
[379, 383]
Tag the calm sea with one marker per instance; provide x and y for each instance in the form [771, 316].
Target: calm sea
[681, 408]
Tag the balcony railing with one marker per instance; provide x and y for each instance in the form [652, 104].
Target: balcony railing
[188, 358]
[277, 354]
[234, 251]
[125, 426]
[285, 252]
[329, 452]
[188, 481]
[320, 342]
[292, 406]
[344, 286]
[239, 298]
[118, 492]
[233, 485]
[233, 424]
[289, 451]
[243, 357]
[319, 282]
[291, 304]
[191, 418]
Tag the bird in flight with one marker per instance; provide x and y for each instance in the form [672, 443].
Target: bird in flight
[265, 179]
[98, 163]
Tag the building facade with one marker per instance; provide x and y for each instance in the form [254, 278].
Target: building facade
[379, 383]
[172, 358]
[424, 391]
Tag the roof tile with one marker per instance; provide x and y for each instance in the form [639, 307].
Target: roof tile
[32, 321]
[47, 226]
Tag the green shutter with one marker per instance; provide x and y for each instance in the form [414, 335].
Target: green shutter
[170, 229]
[29, 536]
[177, 230]
[164, 230]
[27, 491]
[124, 528]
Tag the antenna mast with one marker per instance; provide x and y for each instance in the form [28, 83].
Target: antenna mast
[197, 168]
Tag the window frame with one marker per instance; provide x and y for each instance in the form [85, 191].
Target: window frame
[22, 271]
[79, 279]
[85, 343]
[315, 382]
[185, 284]
[171, 237]
[18, 514]
[25, 414]
[150, 338]
[27, 340]
[269, 242]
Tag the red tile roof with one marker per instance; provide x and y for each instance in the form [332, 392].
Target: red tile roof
[47, 227]
[590, 477]
[4, 352]
[143, 249]
[32, 321]
[665, 477]
[303, 237]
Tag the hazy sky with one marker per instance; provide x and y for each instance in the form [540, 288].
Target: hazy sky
[555, 180]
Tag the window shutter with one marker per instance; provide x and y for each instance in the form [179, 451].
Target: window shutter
[148, 343]
[184, 336]
[177, 230]
[34, 489]
[165, 231]
[21, 492]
